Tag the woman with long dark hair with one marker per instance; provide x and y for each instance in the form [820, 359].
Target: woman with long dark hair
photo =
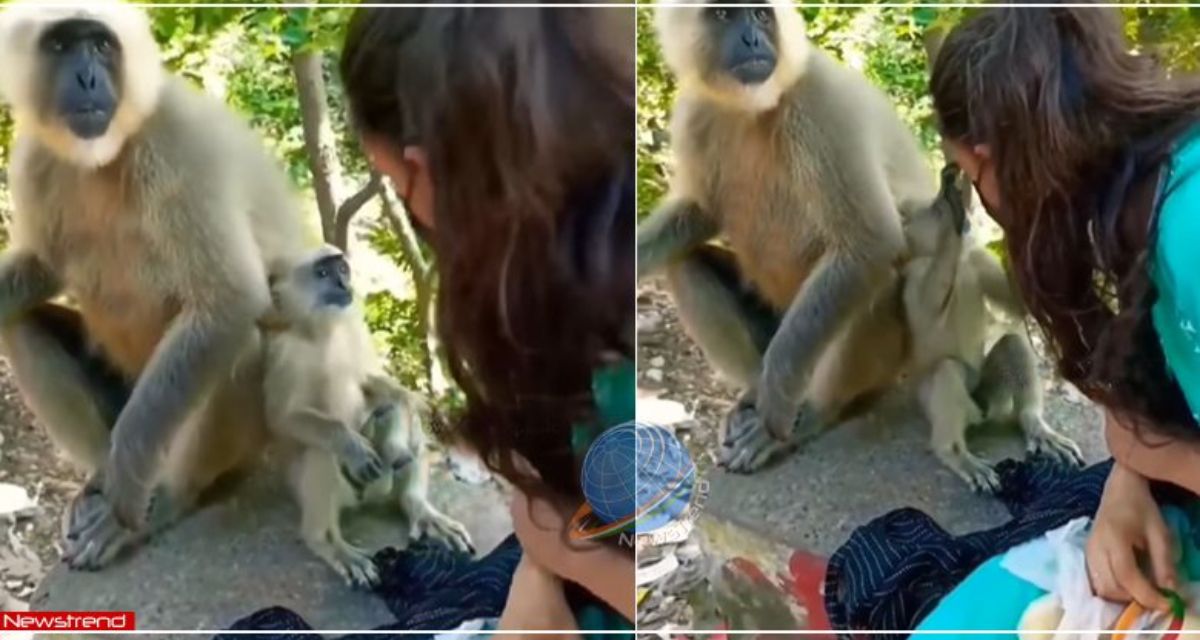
[1088, 157]
[509, 133]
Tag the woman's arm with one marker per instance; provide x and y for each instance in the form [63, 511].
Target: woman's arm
[609, 574]
[536, 603]
[1154, 456]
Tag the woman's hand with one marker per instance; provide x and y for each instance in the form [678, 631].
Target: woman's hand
[540, 526]
[1128, 522]
[606, 572]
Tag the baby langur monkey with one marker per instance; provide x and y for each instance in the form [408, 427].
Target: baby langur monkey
[353, 435]
[946, 284]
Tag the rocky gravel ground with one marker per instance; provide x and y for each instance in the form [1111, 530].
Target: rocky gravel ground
[35, 486]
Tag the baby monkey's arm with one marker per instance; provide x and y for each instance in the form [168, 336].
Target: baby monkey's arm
[354, 451]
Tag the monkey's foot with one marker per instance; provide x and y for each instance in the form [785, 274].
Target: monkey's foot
[971, 468]
[748, 446]
[1041, 439]
[354, 565]
[96, 538]
[439, 526]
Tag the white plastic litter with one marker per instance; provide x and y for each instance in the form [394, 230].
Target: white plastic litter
[14, 501]
[661, 412]
[653, 572]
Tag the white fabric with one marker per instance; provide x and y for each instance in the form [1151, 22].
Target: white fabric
[1056, 562]
[479, 624]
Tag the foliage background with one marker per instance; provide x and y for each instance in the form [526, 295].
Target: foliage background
[249, 57]
[888, 45]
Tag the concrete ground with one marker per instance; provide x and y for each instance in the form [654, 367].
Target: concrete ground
[243, 553]
[864, 468]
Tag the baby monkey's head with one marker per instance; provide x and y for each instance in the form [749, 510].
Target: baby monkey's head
[945, 217]
[315, 290]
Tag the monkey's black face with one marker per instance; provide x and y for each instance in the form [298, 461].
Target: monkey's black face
[745, 41]
[331, 277]
[953, 197]
[82, 61]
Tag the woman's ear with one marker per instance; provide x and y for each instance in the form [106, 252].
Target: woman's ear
[966, 157]
[408, 169]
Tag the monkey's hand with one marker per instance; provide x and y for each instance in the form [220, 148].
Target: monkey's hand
[747, 446]
[94, 534]
[359, 462]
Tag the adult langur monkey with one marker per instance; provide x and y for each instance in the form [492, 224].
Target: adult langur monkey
[156, 210]
[804, 168]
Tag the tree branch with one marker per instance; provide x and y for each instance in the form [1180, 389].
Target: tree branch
[932, 41]
[424, 279]
[410, 246]
[352, 205]
[319, 141]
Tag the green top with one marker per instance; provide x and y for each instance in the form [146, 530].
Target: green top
[1176, 269]
[615, 391]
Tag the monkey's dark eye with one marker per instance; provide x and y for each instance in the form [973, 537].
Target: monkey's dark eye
[763, 15]
[57, 45]
[104, 45]
[721, 14]
[322, 272]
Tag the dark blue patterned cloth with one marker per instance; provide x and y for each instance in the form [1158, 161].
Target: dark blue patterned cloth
[892, 572]
[426, 586]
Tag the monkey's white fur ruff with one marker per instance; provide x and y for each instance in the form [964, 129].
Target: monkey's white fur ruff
[680, 33]
[22, 23]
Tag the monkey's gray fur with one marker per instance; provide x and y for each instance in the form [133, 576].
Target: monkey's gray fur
[159, 228]
[946, 284]
[805, 175]
[351, 433]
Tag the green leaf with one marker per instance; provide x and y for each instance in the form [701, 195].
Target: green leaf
[925, 16]
[294, 37]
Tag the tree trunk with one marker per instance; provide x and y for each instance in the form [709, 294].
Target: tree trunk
[439, 381]
[319, 141]
[933, 38]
